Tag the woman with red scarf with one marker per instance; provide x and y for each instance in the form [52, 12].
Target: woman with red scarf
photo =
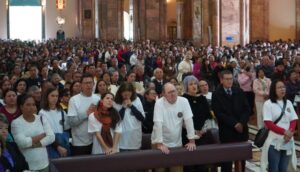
[104, 125]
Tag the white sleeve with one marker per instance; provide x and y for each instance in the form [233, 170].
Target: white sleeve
[156, 136]
[189, 125]
[17, 131]
[72, 109]
[157, 115]
[118, 128]
[294, 115]
[50, 137]
[267, 111]
[93, 124]
[187, 111]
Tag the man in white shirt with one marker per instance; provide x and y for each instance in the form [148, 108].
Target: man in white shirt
[80, 106]
[170, 112]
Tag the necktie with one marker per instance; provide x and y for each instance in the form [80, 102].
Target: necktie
[228, 92]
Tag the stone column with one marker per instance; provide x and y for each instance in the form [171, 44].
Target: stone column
[230, 22]
[87, 18]
[215, 22]
[197, 22]
[111, 19]
[259, 20]
[180, 18]
[297, 19]
[150, 19]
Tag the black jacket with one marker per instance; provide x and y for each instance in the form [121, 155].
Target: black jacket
[20, 163]
[230, 110]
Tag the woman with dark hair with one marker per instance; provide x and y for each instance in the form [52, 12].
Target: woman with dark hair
[106, 78]
[32, 134]
[101, 88]
[10, 109]
[20, 86]
[278, 152]
[132, 115]
[57, 118]
[75, 88]
[105, 127]
[292, 85]
[261, 89]
[11, 159]
[207, 72]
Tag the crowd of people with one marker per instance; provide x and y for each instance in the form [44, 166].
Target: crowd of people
[77, 97]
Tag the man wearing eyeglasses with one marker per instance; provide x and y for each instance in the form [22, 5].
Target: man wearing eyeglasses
[232, 111]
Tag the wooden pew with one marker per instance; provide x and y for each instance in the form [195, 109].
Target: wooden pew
[146, 159]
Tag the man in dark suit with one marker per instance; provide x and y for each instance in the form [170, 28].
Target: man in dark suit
[232, 111]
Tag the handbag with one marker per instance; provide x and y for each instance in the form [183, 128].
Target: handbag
[62, 139]
[263, 133]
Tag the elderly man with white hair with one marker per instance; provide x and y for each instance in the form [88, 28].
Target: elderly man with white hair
[170, 112]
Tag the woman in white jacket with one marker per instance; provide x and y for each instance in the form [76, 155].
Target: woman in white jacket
[278, 152]
[32, 134]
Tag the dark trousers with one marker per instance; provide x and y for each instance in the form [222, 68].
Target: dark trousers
[227, 166]
[81, 150]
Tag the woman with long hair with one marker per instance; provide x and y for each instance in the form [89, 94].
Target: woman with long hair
[101, 88]
[32, 134]
[132, 115]
[278, 152]
[57, 118]
[105, 126]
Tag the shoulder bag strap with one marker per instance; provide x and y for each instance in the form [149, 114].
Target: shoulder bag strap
[282, 112]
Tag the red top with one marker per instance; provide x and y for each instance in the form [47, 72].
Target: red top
[10, 116]
[275, 128]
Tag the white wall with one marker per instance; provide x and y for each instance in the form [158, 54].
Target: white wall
[70, 13]
[3, 29]
[282, 19]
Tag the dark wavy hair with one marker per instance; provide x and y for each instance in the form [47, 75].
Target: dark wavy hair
[113, 113]
[272, 94]
[125, 86]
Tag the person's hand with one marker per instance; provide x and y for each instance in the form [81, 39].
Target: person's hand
[91, 109]
[63, 152]
[191, 146]
[164, 149]
[288, 135]
[126, 103]
[108, 151]
[239, 127]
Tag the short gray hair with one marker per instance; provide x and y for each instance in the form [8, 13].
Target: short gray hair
[186, 81]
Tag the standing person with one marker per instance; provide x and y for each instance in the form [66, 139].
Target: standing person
[80, 106]
[261, 88]
[10, 109]
[105, 127]
[185, 66]
[52, 111]
[232, 111]
[148, 105]
[170, 112]
[132, 115]
[201, 113]
[11, 158]
[32, 134]
[278, 152]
